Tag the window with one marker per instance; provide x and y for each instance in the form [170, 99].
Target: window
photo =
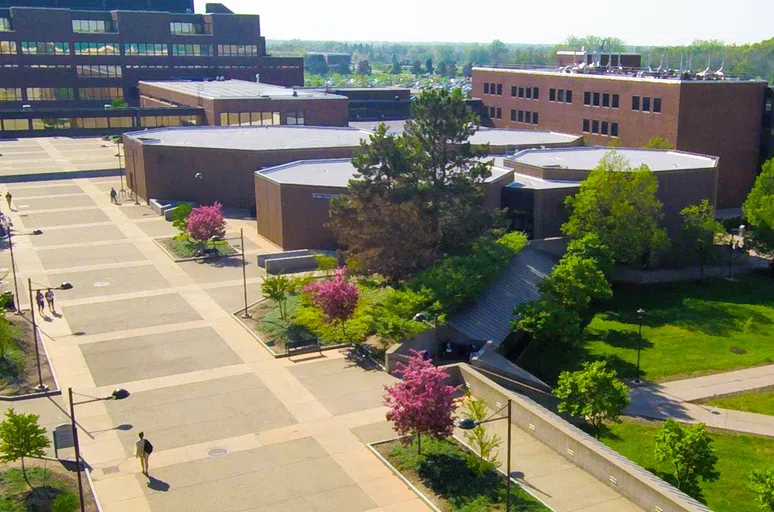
[101, 93]
[560, 96]
[596, 99]
[93, 26]
[499, 89]
[50, 94]
[514, 91]
[153, 121]
[492, 89]
[15, 124]
[586, 126]
[535, 93]
[656, 104]
[499, 113]
[587, 98]
[7, 47]
[521, 92]
[594, 126]
[568, 96]
[521, 116]
[257, 118]
[486, 87]
[185, 28]
[606, 100]
[513, 115]
[153, 49]
[98, 71]
[528, 117]
[298, 117]
[534, 118]
[238, 50]
[10, 94]
[192, 50]
[5, 25]
[615, 101]
[646, 103]
[44, 48]
[492, 112]
[96, 49]
[552, 94]
[56, 124]
[528, 92]
[614, 129]
[635, 102]
[604, 127]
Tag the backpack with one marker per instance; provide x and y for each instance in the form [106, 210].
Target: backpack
[148, 447]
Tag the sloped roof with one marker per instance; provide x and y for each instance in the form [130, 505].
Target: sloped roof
[489, 318]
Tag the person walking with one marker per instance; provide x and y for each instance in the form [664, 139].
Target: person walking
[9, 198]
[40, 301]
[142, 451]
[50, 299]
[113, 196]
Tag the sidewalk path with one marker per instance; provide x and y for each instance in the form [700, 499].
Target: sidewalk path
[673, 400]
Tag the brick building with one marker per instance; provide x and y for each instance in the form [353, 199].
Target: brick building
[708, 114]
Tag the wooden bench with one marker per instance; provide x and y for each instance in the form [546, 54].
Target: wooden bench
[303, 346]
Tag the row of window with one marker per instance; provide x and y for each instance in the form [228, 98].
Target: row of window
[130, 49]
[61, 93]
[93, 26]
[7, 47]
[98, 71]
[251, 118]
[89, 123]
[600, 127]
[643, 104]
[531, 93]
[495, 89]
[238, 50]
[96, 49]
[524, 116]
[5, 25]
[45, 48]
[185, 28]
[152, 49]
[597, 99]
[560, 95]
[495, 113]
[192, 50]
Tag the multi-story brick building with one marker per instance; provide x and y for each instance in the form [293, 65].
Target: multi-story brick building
[708, 114]
[107, 5]
[72, 59]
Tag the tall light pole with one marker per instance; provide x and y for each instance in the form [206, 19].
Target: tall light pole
[469, 424]
[215, 239]
[640, 314]
[63, 286]
[422, 317]
[118, 394]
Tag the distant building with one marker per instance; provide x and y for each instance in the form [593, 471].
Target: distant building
[180, 6]
[335, 62]
[704, 112]
[375, 103]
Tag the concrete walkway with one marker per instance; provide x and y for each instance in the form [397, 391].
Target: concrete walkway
[673, 400]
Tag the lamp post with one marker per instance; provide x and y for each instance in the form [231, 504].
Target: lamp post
[469, 424]
[640, 314]
[422, 317]
[245, 314]
[118, 394]
[63, 286]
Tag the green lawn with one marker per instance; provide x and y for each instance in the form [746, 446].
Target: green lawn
[50, 487]
[738, 455]
[688, 329]
[760, 402]
[187, 248]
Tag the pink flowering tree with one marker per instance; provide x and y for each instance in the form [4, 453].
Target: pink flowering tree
[336, 297]
[205, 222]
[421, 403]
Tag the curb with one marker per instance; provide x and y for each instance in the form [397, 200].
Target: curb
[56, 391]
[174, 258]
[66, 175]
[87, 470]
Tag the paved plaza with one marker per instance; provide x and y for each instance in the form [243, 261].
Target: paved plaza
[54, 155]
[233, 429]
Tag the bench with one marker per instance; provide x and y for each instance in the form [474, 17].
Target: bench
[303, 346]
[207, 252]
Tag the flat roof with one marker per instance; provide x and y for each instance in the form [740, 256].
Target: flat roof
[238, 90]
[251, 138]
[334, 172]
[587, 158]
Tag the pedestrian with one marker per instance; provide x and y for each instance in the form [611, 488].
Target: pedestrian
[39, 299]
[113, 196]
[143, 449]
[8, 197]
[50, 299]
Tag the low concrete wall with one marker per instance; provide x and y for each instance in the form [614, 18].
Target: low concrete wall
[611, 468]
[556, 246]
[742, 265]
[274, 255]
[291, 264]
[424, 341]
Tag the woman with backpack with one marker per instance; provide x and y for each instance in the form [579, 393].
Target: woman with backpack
[143, 449]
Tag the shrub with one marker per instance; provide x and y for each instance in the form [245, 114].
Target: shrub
[65, 502]
[179, 216]
[206, 222]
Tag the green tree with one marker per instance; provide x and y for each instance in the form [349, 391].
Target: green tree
[619, 205]
[483, 443]
[699, 232]
[548, 320]
[758, 208]
[594, 393]
[762, 484]
[363, 68]
[689, 450]
[429, 66]
[277, 289]
[416, 68]
[316, 64]
[590, 246]
[179, 216]
[467, 69]
[327, 264]
[497, 52]
[659, 143]
[21, 436]
[596, 43]
[396, 69]
[575, 282]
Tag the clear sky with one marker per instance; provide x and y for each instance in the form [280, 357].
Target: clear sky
[650, 22]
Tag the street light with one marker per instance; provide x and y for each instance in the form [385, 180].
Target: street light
[118, 394]
[469, 424]
[17, 299]
[63, 286]
[422, 317]
[640, 314]
[245, 314]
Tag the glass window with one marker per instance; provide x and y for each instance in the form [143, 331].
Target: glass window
[7, 47]
[521, 116]
[486, 87]
[514, 91]
[499, 89]
[646, 103]
[614, 129]
[587, 98]
[192, 50]
[251, 50]
[10, 94]
[586, 125]
[513, 115]
[185, 28]
[596, 99]
[275, 118]
[499, 113]
[656, 104]
[120, 122]
[604, 127]
[15, 124]
[152, 49]
[535, 93]
[233, 118]
[560, 96]
[96, 49]
[49, 94]
[5, 25]
[521, 92]
[529, 93]
[44, 48]
[298, 117]
[635, 102]
[568, 96]
[98, 71]
[534, 118]
[615, 101]
[527, 116]
[606, 100]
[92, 26]
[552, 94]
[491, 112]
[595, 126]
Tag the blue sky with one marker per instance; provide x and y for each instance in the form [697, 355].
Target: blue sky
[649, 22]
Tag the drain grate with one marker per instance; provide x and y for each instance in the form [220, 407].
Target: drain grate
[217, 452]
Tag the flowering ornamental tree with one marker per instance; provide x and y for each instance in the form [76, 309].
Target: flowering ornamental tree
[204, 222]
[422, 403]
[336, 297]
